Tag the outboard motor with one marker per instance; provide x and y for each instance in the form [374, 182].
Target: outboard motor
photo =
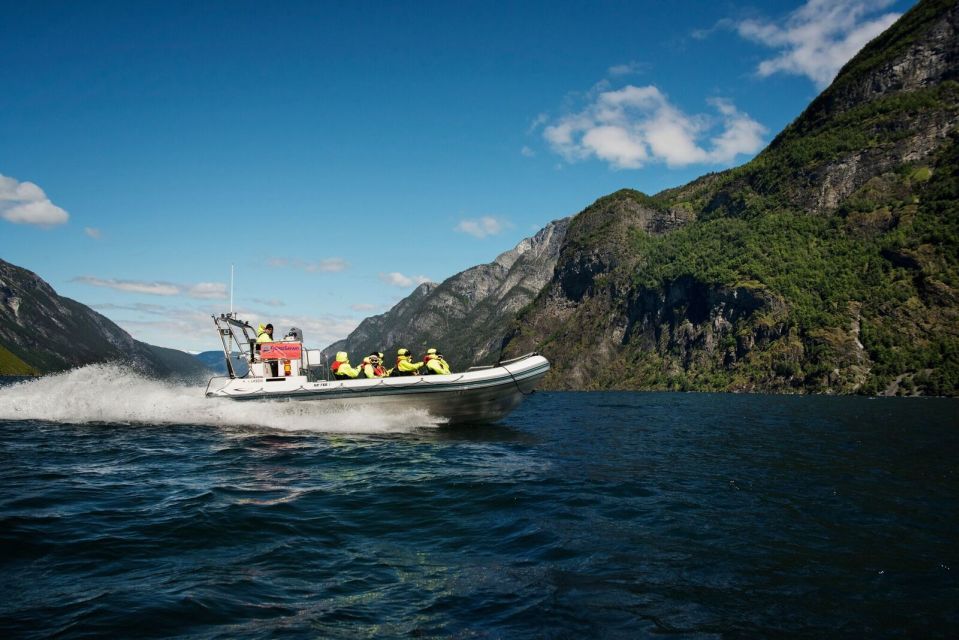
[294, 334]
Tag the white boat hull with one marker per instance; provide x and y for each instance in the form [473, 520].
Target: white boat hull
[475, 396]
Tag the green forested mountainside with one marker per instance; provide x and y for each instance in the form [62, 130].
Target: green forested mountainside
[11, 365]
[45, 332]
[827, 264]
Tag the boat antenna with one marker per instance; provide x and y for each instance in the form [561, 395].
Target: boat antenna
[231, 290]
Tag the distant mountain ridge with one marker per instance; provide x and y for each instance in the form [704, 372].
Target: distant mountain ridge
[829, 263]
[466, 316]
[43, 332]
[214, 361]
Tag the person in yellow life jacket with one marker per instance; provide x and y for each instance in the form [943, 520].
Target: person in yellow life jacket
[446, 365]
[264, 333]
[386, 372]
[342, 369]
[434, 364]
[372, 367]
[405, 365]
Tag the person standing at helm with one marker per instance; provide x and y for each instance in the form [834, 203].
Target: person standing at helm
[434, 364]
[342, 369]
[405, 365]
[264, 333]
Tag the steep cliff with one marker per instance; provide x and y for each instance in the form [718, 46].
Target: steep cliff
[42, 332]
[826, 264]
[466, 316]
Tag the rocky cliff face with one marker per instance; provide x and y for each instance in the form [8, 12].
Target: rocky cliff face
[465, 316]
[830, 263]
[45, 332]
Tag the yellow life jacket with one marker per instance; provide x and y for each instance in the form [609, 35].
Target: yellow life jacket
[262, 336]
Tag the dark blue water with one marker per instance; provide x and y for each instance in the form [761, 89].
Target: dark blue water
[584, 515]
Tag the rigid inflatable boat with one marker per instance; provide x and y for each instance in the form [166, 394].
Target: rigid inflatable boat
[284, 371]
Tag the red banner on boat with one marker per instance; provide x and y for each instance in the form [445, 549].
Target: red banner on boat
[281, 350]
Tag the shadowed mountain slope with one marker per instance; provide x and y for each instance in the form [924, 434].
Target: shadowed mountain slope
[42, 332]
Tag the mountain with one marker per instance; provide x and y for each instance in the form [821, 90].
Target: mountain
[42, 332]
[214, 361]
[829, 263]
[465, 316]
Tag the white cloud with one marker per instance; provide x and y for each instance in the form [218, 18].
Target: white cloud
[741, 135]
[482, 227]
[132, 286]
[139, 307]
[818, 38]
[200, 290]
[397, 279]
[527, 152]
[326, 265]
[270, 302]
[318, 331]
[537, 122]
[634, 126]
[628, 68]
[190, 328]
[363, 307]
[207, 291]
[26, 203]
[92, 232]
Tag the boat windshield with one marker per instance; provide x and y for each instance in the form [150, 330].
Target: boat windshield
[238, 338]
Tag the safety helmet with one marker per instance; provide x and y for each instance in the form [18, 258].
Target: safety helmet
[402, 352]
[341, 356]
[431, 352]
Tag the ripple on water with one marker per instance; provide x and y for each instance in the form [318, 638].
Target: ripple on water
[612, 514]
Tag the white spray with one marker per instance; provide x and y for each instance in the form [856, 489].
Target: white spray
[110, 394]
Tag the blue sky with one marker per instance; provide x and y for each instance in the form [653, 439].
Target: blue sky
[339, 153]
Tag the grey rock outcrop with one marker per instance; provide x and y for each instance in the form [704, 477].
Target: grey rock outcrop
[467, 315]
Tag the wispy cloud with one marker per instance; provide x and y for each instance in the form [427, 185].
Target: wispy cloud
[363, 307]
[141, 307]
[326, 265]
[271, 302]
[527, 152]
[132, 286]
[482, 227]
[93, 233]
[818, 38]
[200, 290]
[206, 291]
[397, 279]
[187, 327]
[634, 126]
[628, 68]
[537, 122]
[318, 331]
[26, 203]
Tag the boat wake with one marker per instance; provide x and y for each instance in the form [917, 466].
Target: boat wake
[105, 394]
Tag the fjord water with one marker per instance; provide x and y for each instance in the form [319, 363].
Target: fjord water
[133, 508]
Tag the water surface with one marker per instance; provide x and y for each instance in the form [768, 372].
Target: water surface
[583, 515]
